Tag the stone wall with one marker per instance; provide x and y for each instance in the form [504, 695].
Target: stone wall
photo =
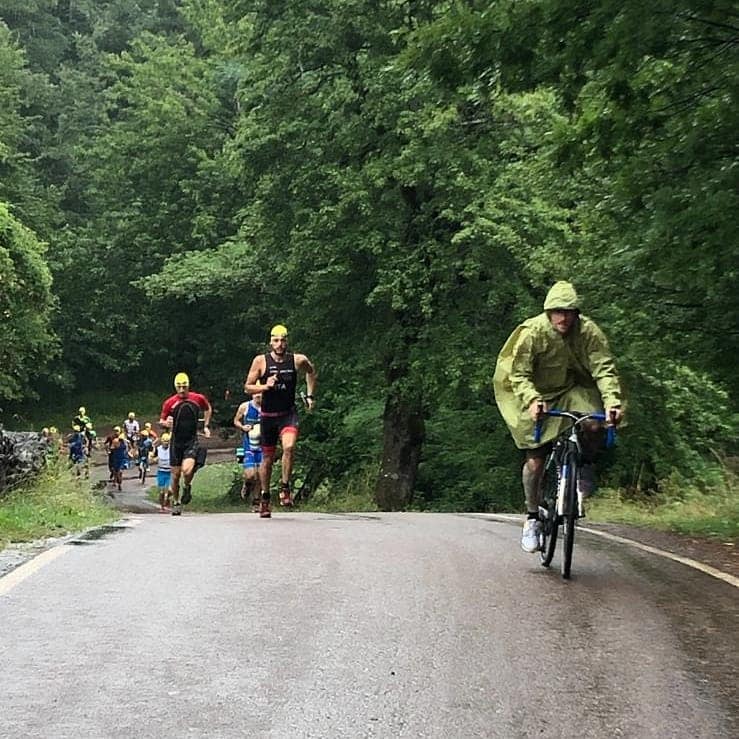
[22, 456]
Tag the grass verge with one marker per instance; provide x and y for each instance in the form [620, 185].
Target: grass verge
[52, 505]
[213, 486]
[712, 513]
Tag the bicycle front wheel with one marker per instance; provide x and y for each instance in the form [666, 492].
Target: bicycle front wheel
[568, 520]
[548, 513]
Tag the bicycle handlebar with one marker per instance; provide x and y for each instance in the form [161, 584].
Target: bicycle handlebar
[577, 418]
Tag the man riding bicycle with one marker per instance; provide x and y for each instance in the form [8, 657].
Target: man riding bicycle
[558, 359]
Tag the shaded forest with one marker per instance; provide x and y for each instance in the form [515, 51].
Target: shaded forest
[399, 182]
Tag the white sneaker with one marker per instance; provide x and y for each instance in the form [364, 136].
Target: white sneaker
[530, 536]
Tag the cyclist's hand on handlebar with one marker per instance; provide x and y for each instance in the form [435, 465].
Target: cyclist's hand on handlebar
[536, 408]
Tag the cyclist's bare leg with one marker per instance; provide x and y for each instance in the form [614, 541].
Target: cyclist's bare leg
[531, 475]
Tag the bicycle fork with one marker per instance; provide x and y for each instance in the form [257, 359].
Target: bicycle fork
[567, 471]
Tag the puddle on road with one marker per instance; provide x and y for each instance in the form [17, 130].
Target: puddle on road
[90, 537]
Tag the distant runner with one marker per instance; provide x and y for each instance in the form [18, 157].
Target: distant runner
[247, 419]
[180, 414]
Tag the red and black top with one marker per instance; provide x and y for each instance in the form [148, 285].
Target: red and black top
[185, 412]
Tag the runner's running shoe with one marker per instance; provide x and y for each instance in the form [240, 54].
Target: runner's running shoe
[286, 498]
[264, 508]
[176, 509]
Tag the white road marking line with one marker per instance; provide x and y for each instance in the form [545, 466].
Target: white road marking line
[725, 576]
[19, 574]
[707, 569]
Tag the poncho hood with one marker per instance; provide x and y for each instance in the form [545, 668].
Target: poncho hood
[562, 295]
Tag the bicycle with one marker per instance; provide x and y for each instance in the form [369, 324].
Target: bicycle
[561, 502]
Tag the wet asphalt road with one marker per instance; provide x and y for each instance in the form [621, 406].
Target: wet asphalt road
[382, 625]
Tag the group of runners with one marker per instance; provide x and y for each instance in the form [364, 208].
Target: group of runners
[79, 441]
[129, 444]
[269, 417]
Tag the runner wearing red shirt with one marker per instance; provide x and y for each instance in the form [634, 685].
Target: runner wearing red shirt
[181, 414]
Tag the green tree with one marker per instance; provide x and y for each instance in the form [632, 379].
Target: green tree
[150, 190]
[26, 304]
[384, 203]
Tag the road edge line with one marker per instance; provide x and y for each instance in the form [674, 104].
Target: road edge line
[695, 564]
[20, 573]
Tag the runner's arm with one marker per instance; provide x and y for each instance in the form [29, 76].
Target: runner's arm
[256, 370]
[303, 363]
[207, 413]
[239, 415]
[165, 419]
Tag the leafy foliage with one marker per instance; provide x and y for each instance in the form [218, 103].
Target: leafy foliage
[26, 302]
[399, 183]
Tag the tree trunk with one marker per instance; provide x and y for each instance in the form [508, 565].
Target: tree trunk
[403, 432]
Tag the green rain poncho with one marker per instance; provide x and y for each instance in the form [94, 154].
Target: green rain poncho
[572, 372]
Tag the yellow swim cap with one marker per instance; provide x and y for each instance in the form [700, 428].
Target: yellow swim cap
[81, 410]
[117, 429]
[52, 429]
[132, 415]
[279, 331]
[181, 379]
[165, 438]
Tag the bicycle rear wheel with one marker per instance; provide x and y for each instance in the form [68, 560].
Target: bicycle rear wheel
[548, 512]
[569, 518]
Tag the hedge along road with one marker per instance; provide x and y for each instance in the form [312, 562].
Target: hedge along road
[387, 625]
